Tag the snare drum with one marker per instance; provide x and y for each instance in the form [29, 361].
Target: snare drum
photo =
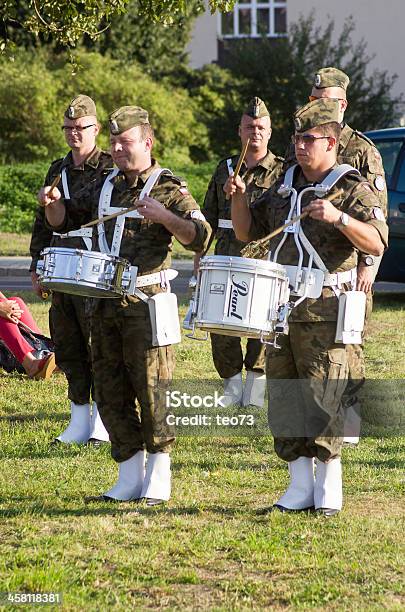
[237, 296]
[86, 273]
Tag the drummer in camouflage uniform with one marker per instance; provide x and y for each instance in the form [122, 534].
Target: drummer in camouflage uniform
[308, 374]
[361, 153]
[128, 363]
[259, 171]
[68, 320]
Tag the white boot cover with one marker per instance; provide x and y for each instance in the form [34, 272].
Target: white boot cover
[352, 425]
[328, 485]
[233, 390]
[97, 429]
[157, 483]
[78, 430]
[300, 493]
[254, 389]
[130, 479]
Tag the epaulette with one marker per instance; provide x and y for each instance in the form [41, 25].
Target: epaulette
[364, 137]
[56, 161]
[181, 182]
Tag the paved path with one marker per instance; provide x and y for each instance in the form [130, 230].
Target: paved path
[14, 276]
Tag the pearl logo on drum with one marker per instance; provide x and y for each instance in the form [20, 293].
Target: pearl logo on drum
[237, 290]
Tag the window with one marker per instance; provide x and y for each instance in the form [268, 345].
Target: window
[389, 150]
[254, 19]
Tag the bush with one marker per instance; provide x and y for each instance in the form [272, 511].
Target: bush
[19, 184]
[32, 103]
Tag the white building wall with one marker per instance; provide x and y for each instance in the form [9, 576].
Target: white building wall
[379, 22]
[203, 48]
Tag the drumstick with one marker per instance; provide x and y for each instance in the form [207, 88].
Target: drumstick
[54, 184]
[108, 217]
[240, 161]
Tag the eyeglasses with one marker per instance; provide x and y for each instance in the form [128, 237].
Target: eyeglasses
[306, 139]
[312, 98]
[76, 128]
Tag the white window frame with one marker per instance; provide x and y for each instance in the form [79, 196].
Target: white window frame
[253, 6]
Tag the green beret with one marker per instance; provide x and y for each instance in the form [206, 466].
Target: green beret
[331, 77]
[127, 117]
[256, 109]
[81, 106]
[318, 112]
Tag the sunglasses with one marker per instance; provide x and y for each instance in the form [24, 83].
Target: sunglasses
[306, 139]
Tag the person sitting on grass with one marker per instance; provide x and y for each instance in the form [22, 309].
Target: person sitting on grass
[14, 314]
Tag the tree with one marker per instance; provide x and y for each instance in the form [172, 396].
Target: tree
[66, 21]
[281, 72]
[159, 48]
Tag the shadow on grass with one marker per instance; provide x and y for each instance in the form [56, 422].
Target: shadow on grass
[38, 416]
[393, 301]
[111, 509]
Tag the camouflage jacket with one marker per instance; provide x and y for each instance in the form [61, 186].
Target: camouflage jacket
[338, 254]
[216, 206]
[79, 180]
[145, 244]
[361, 153]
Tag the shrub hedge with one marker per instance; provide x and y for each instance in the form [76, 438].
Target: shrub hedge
[19, 184]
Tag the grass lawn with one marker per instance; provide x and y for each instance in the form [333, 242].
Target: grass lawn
[209, 549]
[19, 245]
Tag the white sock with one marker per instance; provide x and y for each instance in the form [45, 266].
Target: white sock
[78, 430]
[157, 484]
[97, 429]
[130, 479]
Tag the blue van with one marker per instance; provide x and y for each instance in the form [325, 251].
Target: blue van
[391, 144]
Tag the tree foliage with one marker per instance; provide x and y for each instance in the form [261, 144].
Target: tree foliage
[158, 47]
[66, 21]
[281, 72]
[32, 103]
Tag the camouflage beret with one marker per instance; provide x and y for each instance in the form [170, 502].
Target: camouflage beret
[318, 112]
[256, 109]
[331, 77]
[81, 106]
[127, 117]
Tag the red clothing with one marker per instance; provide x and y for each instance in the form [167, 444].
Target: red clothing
[10, 332]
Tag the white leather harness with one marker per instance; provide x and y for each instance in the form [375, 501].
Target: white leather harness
[87, 232]
[104, 208]
[335, 280]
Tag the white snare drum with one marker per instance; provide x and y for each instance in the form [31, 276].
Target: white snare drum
[237, 296]
[86, 273]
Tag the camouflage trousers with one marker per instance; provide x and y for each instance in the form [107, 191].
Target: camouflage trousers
[69, 324]
[306, 381]
[228, 358]
[128, 371]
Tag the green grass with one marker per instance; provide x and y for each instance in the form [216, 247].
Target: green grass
[208, 550]
[12, 245]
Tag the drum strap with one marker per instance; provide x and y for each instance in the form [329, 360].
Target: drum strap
[300, 238]
[230, 166]
[105, 209]
[85, 234]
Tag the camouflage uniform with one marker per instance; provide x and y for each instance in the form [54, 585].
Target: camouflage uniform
[306, 416]
[68, 320]
[126, 365]
[361, 153]
[227, 350]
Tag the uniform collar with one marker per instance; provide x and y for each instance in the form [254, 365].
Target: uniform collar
[120, 181]
[345, 136]
[93, 160]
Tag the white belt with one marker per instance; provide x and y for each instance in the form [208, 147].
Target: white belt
[225, 223]
[86, 232]
[337, 279]
[162, 277]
